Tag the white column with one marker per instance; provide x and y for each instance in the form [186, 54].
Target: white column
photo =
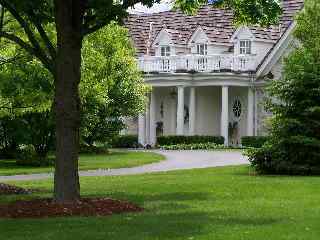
[141, 129]
[192, 111]
[147, 139]
[180, 111]
[225, 115]
[255, 124]
[153, 135]
[173, 116]
[250, 112]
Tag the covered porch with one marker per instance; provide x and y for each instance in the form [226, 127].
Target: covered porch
[223, 110]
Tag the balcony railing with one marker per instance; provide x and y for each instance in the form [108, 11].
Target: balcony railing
[197, 63]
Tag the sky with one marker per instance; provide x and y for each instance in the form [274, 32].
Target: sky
[165, 5]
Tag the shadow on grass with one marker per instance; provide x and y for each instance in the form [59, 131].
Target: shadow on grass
[8, 164]
[108, 154]
[163, 197]
[174, 215]
[177, 215]
[163, 224]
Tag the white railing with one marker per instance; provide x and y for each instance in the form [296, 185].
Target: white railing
[198, 63]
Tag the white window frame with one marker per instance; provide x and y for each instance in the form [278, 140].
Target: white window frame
[165, 51]
[202, 49]
[245, 47]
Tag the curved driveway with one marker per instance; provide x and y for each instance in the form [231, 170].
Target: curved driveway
[175, 160]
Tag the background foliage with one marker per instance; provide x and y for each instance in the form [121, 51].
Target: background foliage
[111, 87]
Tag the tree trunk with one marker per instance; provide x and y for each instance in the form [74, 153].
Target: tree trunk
[68, 16]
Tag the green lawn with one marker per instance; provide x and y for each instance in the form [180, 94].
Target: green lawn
[115, 159]
[214, 204]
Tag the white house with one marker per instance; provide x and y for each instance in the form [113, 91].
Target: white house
[207, 76]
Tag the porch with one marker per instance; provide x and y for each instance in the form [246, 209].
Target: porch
[226, 111]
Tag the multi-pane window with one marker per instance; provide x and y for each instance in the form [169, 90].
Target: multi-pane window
[165, 51]
[165, 63]
[245, 47]
[202, 49]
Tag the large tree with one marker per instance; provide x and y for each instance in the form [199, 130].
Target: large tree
[73, 20]
[111, 87]
[294, 143]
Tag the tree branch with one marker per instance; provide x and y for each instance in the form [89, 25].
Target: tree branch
[10, 60]
[36, 49]
[1, 18]
[43, 34]
[94, 28]
[28, 48]
[116, 13]
[18, 107]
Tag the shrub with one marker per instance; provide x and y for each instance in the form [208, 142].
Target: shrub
[194, 146]
[293, 146]
[175, 140]
[8, 153]
[284, 158]
[87, 149]
[27, 156]
[253, 141]
[125, 141]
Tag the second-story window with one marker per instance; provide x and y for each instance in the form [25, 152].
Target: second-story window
[202, 49]
[165, 63]
[165, 51]
[245, 47]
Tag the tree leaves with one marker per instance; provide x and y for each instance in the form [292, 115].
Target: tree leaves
[246, 12]
[111, 86]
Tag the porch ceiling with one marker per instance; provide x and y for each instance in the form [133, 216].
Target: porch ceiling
[199, 79]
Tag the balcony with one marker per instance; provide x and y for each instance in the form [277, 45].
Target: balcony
[197, 63]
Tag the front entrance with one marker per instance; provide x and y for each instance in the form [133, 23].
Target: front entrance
[235, 121]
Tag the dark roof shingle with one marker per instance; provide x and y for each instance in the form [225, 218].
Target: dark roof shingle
[217, 23]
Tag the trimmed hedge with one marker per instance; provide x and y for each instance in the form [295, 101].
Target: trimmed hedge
[176, 140]
[125, 141]
[194, 146]
[253, 141]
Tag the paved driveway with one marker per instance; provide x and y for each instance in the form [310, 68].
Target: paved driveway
[175, 160]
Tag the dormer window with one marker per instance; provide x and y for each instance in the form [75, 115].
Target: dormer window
[245, 47]
[202, 49]
[165, 51]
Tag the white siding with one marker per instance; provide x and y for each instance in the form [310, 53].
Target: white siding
[208, 110]
[260, 49]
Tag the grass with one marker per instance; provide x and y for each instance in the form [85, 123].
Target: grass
[115, 159]
[225, 203]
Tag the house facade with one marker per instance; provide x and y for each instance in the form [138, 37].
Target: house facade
[207, 76]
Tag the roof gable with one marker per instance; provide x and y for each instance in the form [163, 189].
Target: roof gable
[243, 32]
[276, 52]
[163, 38]
[198, 36]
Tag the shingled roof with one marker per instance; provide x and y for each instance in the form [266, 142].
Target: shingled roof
[217, 23]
